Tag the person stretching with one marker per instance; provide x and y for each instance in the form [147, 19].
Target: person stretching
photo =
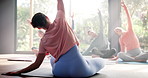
[129, 43]
[60, 41]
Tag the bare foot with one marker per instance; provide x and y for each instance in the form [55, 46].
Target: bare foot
[144, 61]
[114, 58]
[95, 56]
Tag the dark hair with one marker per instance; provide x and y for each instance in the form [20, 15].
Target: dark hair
[39, 20]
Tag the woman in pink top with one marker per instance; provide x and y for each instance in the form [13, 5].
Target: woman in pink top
[60, 41]
[129, 43]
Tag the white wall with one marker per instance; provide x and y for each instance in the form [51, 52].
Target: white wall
[7, 26]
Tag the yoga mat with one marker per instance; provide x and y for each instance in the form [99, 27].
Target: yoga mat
[24, 59]
[97, 75]
[42, 72]
[27, 59]
[119, 61]
[25, 75]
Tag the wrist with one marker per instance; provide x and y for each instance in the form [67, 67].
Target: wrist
[18, 72]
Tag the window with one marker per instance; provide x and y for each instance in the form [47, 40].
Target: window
[23, 28]
[82, 15]
[27, 37]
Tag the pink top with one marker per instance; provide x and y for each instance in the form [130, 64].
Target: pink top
[58, 38]
[128, 41]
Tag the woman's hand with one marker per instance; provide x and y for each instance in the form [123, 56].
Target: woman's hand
[123, 4]
[13, 73]
[114, 58]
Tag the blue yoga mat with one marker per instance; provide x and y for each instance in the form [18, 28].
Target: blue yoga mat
[119, 61]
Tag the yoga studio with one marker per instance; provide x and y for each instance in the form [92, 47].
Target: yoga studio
[74, 38]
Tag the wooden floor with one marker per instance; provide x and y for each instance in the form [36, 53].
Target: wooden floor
[111, 70]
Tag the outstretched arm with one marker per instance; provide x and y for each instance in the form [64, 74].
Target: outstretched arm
[60, 5]
[32, 67]
[128, 16]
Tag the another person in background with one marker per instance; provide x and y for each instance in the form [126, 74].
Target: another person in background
[40, 33]
[99, 46]
[129, 43]
[35, 49]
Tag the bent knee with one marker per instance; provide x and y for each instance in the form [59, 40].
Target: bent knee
[100, 63]
[120, 54]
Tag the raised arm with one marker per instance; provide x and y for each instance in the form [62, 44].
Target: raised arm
[101, 22]
[128, 16]
[60, 5]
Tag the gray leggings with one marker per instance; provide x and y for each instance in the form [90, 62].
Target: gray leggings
[133, 55]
